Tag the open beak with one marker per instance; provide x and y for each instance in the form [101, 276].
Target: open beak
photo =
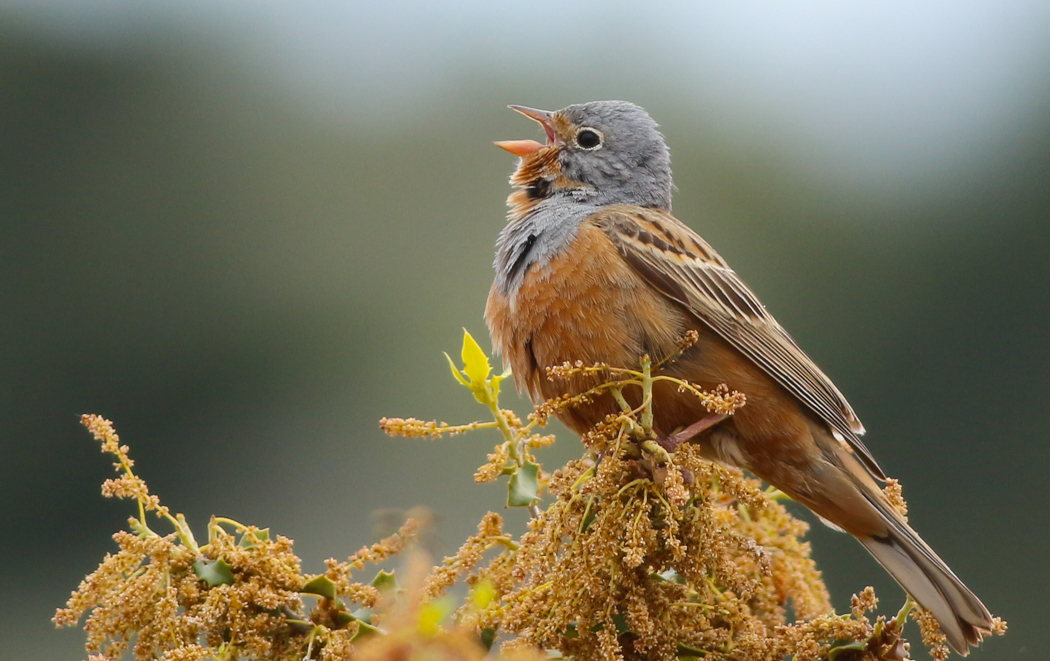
[523, 148]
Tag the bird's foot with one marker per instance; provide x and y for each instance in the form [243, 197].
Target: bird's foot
[671, 443]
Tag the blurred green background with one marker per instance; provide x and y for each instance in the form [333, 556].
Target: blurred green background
[245, 231]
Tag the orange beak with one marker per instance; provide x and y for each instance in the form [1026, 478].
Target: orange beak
[522, 148]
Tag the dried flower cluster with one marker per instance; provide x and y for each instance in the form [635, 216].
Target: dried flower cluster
[413, 629]
[648, 551]
[895, 494]
[934, 638]
[687, 559]
[234, 597]
[645, 554]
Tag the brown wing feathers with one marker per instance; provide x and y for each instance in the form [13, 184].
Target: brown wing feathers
[679, 264]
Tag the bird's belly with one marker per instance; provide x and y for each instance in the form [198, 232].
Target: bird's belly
[590, 307]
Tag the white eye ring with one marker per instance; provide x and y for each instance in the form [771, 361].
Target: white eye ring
[596, 132]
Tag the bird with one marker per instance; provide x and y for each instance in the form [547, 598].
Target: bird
[593, 267]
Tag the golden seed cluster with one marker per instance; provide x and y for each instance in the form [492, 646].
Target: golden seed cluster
[237, 597]
[895, 494]
[641, 554]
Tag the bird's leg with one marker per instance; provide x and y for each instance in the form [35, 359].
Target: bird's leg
[671, 443]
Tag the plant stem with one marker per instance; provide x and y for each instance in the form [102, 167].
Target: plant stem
[647, 394]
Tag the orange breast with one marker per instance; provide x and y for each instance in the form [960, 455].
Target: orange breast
[586, 304]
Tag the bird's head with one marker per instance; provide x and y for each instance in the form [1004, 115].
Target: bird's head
[603, 152]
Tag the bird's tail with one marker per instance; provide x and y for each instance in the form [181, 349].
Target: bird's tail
[847, 496]
[924, 576]
[841, 491]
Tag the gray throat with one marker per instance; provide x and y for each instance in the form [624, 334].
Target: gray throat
[536, 239]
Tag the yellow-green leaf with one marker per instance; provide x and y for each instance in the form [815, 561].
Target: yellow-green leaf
[475, 362]
[455, 371]
[496, 380]
[482, 594]
[431, 616]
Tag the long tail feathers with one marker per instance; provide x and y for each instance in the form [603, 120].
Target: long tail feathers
[842, 492]
[924, 576]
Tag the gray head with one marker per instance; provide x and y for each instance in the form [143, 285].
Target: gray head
[603, 152]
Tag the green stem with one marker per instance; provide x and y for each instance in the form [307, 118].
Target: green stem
[310, 645]
[185, 534]
[902, 615]
[587, 474]
[617, 394]
[142, 517]
[236, 524]
[513, 440]
[586, 513]
[630, 484]
[655, 449]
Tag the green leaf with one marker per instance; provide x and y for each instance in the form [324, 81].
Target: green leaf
[587, 521]
[214, 572]
[364, 629]
[835, 651]
[475, 362]
[488, 636]
[685, 652]
[250, 540]
[524, 485]
[362, 617]
[322, 586]
[385, 581]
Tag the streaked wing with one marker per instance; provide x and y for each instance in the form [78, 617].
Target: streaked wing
[681, 265]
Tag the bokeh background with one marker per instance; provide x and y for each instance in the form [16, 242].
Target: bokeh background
[245, 231]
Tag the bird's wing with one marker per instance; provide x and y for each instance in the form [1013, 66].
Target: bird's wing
[682, 266]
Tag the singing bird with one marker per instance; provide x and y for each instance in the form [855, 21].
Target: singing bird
[592, 266]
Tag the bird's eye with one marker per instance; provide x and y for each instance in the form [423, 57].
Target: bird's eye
[588, 138]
